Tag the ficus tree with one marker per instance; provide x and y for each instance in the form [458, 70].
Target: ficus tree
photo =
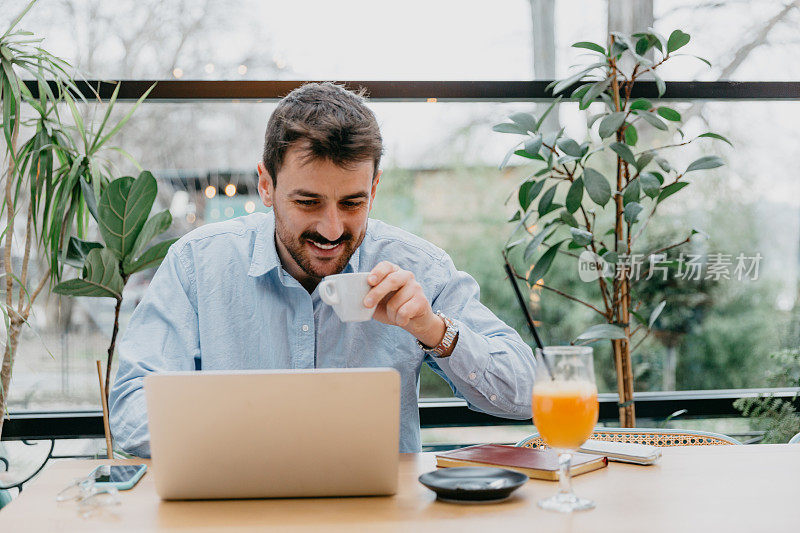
[123, 217]
[571, 207]
[54, 166]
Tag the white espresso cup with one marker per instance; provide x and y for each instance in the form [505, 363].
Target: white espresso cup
[346, 293]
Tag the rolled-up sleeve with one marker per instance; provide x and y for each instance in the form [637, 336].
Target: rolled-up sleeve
[162, 335]
[490, 367]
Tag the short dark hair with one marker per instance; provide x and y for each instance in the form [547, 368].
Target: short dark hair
[329, 122]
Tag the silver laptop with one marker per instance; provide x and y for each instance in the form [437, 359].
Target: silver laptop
[282, 433]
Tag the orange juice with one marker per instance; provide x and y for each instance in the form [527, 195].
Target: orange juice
[565, 412]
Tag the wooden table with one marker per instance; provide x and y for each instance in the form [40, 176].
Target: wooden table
[709, 488]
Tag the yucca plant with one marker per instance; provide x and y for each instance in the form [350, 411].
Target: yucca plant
[569, 208]
[52, 180]
[122, 216]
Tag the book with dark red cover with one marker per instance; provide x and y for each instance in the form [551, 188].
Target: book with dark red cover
[537, 464]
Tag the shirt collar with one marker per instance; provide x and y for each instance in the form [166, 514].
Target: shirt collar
[265, 253]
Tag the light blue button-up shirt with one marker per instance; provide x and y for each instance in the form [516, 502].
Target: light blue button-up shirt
[222, 301]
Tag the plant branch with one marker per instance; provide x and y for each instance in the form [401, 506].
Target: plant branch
[601, 280]
[570, 297]
[641, 340]
[23, 278]
[35, 293]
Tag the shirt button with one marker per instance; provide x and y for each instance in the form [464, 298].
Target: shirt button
[472, 375]
[493, 397]
[305, 327]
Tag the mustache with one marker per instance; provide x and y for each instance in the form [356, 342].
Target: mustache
[316, 237]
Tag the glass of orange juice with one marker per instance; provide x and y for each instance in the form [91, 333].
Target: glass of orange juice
[565, 411]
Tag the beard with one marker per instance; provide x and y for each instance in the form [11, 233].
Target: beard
[317, 267]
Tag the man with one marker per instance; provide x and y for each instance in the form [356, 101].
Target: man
[242, 294]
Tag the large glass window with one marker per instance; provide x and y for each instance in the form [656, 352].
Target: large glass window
[441, 179]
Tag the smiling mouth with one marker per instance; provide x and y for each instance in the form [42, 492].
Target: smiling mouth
[325, 249]
[325, 246]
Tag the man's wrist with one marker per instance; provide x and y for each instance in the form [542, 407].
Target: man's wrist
[433, 333]
[444, 347]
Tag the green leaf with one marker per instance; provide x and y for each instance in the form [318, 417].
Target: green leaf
[152, 257]
[677, 39]
[597, 186]
[656, 312]
[715, 136]
[515, 217]
[595, 91]
[580, 237]
[546, 200]
[642, 45]
[631, 135]
[528, 191]
[561, 85]
[155, 225]
[602, 331]
[543, 264]
[574, 195]
[578, 93]
[623, 152]
[102, 277]
[515, 243]
[669, 114]
[650, 184]
[664, 164]
[16, 19]
[610, 124]
[590, 46]
[652, 119]
[525, 121]
[77, 250]
[533, 144]
[537, 241]
[617, 48]
[547, 112]
[509, 127]
[610, 257]
[632, 211]
[644, 160]
[89, 198]
[631, 193]
[508, 155]
[568, 219]
[124, 208]
[523, 153]
[569, 147]
[100, 141]
[709, 161]
[660, 85]
[639, 318]
[642, 104]
[670, 189]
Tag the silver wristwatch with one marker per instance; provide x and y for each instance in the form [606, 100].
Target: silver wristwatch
[444, 347]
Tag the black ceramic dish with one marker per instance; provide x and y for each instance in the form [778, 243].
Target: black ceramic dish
[473, 483]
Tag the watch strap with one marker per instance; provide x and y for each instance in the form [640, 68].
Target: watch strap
[444, 347]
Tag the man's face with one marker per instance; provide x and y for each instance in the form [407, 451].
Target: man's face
[320, 211]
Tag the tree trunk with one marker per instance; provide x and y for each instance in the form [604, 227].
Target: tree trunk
[15, 327]
[622, 284]
[543, 19]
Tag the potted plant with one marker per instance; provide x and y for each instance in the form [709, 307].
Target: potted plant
[52, 179]
[127, 231]
[569, 207]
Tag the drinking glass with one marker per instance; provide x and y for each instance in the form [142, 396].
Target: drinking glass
[565, 411]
